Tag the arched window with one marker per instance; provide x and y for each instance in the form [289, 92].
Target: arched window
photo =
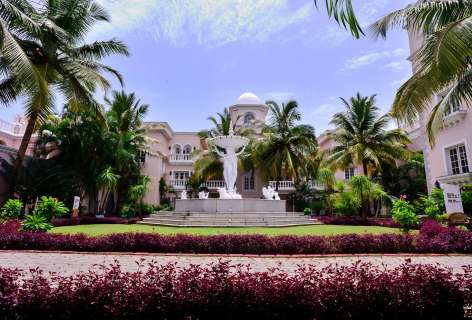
[187, 149]
[248, 118]
[176, 149]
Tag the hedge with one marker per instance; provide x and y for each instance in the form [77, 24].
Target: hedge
[221, 291]
[432, 238]
[359, 221]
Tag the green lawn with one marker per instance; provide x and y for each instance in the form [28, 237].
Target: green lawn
[325, 230]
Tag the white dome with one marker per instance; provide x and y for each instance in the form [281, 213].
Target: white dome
[248, 98]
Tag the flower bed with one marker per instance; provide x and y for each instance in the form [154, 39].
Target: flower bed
[219, 291]
[432, 238]
[358, 221]
[61, 222]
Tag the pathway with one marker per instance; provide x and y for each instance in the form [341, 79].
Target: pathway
[67, 263]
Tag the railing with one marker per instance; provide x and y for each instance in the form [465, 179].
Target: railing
[180, 157]
[11, 127]
[214, 184]
[288, 185]
[179, 184]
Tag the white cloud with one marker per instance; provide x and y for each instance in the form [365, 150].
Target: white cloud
[397, 65]
[210, 22]
[370, 58]
[278, 96]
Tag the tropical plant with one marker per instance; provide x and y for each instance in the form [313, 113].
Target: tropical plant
[325, 177]
[362, 137]
[127, 138]
[42, 52]
[370, 194]
[286, 145]
[107, 182]
[49, 207]
[403, 212]
[346, 203]
[442, 63]
[36, 222]
[136, 193]
[11, 209]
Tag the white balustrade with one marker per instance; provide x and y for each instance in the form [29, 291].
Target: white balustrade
[179, 184]
[11, 127]
[214, 184]
[283, 185]
[180, 157]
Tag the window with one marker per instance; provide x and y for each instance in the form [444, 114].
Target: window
[458, 162]
[248, 118]
[176, 149]
[451, 109]
[187, 149]
[249, 183]
[181, 175]
[142, 156]
[349, 173]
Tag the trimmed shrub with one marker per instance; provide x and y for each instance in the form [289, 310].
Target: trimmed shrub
[432, 238]
[49, 207]
[60, 222]
[11, 209]
[359, 221]
[404, 213]
[222, 291]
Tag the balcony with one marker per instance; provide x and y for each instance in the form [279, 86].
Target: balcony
[288, 185]
[12, 128]
[457, 179]
[181, 184]
[180, 159]
[454, 117]
[178, 184]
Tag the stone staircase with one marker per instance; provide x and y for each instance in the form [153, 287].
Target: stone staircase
[184, 219]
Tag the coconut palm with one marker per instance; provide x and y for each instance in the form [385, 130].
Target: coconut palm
[286, 145]
[127, 137]
[343, 12]
[43, 52]
[362, 137]
[442, 64]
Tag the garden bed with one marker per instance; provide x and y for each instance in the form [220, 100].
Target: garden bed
[220, 291]
[359, 221]
[432, 238]
[84, 220]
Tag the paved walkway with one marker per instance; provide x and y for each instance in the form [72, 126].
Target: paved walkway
[66, 263]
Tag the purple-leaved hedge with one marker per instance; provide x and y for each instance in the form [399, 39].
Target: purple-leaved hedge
[432, 238]
[221, 291]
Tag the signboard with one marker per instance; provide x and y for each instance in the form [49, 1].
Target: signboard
[75, 207]
[452, 198]
[76, 204]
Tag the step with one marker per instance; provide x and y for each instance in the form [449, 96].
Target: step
[232, 225]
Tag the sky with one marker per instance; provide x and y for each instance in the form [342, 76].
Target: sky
[191, 58]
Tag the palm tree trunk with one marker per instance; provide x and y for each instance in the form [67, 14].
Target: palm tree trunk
[20, 155]
[364, 168]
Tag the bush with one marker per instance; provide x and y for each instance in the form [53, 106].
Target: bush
[147, 209]
[49, 207]
[347, 203]
[11, 209]
[467, 201]
[222, 291]
[307, 211]
[403, 213]
[359, 221]
[36, 223]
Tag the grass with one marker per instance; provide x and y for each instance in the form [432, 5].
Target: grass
[319, 230]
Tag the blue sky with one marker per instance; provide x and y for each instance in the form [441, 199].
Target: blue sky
[191, 58]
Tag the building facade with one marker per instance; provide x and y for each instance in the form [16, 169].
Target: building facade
[448, 161]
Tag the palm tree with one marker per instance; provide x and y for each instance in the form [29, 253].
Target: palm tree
[442, 63]
[343, 12]
[362, 137]
[42, 53]
[285, 146]
[127, 137]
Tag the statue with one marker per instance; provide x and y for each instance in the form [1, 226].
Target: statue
[269, 193]
[203, 195]
[233, 146]
[230, 166]
[183, 195]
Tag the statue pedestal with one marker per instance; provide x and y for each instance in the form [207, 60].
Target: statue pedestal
[230, 206]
